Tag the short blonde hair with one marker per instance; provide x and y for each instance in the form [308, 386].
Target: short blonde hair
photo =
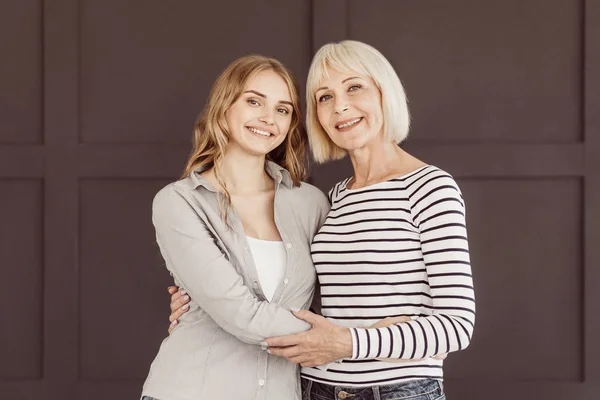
[352, 56]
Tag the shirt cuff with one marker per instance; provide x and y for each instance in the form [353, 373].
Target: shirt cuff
[355, 343]
[367, 343]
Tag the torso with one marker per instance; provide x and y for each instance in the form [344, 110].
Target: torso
[370, 263]
[197, 356]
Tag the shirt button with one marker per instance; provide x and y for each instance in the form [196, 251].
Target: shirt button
[286, 281]
[288, 245]
[255, 284]
[261, 382]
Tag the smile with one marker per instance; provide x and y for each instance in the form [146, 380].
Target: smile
[349, 123]
[260, 132]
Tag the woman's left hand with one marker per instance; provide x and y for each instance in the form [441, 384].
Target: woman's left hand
[325, 342]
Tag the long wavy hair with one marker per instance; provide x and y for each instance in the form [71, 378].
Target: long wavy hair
[211, 133]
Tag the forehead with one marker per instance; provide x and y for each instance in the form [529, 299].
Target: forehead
[269, 83]
[332, 75]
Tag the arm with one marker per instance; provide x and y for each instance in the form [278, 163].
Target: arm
[195, 260]
[439, 213]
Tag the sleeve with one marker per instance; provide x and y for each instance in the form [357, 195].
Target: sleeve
[195, 260]
[438, 212]
[322, 206]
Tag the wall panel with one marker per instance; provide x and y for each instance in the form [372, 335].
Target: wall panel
[123, 281]
[21, 290]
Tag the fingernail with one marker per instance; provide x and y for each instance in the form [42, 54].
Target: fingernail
[186, 298]
[174, 323]
[183, 292]
[294, 309]
[185, 307]
[269, 351]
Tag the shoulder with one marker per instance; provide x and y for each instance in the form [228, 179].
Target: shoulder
[169, 193]
[311, 192]
[433, 190]
[173, 199]
[307, 205]
[166, 196]
[428, 180]
[335, 190]
[309, 197]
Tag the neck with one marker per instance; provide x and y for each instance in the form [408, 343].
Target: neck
[244, 174]
[376, 162]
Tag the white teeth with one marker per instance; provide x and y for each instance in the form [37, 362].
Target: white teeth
[258, 131]
[347, 124]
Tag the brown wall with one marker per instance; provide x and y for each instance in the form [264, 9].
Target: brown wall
[97, 101]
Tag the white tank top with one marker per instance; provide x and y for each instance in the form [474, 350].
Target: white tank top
[270, 260]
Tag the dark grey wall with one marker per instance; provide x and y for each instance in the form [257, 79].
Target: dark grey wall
[97, 102]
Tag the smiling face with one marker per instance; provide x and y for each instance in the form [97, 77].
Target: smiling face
[260, 118]
[349, 109]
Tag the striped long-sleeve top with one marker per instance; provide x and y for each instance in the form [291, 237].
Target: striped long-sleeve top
[395, 248]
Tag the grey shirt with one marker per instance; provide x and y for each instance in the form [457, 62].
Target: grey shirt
[214, 352]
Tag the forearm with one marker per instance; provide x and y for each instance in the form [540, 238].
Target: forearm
[421, 338]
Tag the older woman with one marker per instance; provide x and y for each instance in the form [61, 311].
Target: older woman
[393, 244]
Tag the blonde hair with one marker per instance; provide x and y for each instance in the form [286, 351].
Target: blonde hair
[211, 133]
[352, 56]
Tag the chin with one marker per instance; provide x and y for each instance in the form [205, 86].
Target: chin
[350, 145]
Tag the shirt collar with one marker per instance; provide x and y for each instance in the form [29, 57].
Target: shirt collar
[275, 171]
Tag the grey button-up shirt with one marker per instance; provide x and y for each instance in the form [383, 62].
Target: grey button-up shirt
[215, 352]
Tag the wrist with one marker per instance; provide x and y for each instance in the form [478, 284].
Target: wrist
[344, 343]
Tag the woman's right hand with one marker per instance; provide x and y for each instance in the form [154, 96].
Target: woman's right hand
[179, 305]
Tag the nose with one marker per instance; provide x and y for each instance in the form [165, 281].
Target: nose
[341, 104]
[267, 116]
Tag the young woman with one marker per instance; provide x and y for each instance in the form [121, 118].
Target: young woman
[235, 234]
[394, 243]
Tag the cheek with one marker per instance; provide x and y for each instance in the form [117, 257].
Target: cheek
[322, 116]
[375, 113]
[231, 120]
[284, 125]
[283, 138]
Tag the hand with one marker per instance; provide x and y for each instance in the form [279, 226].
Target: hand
[398, 320]
[390, 321]
[179, 305]
[324, 343]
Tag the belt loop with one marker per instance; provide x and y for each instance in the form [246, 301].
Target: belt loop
[306, 391]
[376, 395]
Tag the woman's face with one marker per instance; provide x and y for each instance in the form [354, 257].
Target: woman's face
[349, 109]
[260, 118]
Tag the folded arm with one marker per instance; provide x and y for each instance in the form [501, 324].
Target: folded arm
[200, 266]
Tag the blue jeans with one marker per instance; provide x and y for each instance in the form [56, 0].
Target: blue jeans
[424, 389]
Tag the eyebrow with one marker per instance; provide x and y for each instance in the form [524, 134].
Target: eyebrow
[344, 81]
[264, 96]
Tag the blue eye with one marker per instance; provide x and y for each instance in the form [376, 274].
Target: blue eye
[325, 97]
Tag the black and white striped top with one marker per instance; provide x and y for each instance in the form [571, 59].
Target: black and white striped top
[395, 248]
